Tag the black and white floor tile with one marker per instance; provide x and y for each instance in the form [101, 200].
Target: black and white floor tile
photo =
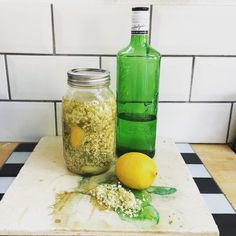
[223, 213]
[221, 210]
[13, 165]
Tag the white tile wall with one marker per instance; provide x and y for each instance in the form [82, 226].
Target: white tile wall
[214, 79]
[43, 77]
[22, 121]
[200, 29]
[185, 122]
[232, 131]
[3, 79]
[179, 27]
[194, 122]
[175, 78]
[59, 118]
[91, 28]
[25, 27]
[109, 63]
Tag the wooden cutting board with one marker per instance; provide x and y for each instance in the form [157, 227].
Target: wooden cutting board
[27, 207]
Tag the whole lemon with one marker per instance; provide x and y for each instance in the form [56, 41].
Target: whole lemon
[136, 170]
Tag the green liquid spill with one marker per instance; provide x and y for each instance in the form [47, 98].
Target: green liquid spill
[146, 217]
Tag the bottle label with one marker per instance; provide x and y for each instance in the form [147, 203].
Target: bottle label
[140, 22]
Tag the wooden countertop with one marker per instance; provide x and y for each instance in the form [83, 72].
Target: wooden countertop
[5, 151]
[220, 162]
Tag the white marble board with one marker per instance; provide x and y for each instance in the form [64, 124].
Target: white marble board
[27, 206]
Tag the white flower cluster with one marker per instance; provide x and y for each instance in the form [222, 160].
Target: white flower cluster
[115, 197]
[97, 120]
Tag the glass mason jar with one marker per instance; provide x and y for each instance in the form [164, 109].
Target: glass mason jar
[88, 120]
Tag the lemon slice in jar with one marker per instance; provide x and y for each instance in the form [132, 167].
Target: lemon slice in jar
[76, 136]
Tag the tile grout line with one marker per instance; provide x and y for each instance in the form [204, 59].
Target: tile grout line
[55, 111]
[229, 123]
[7, 76]
[196, 55]
[27, 100]
[106, 55]
[204, 102]
[191, 80]
[53, 30]
[58, 54]
[150, 24]
[100, 62]
[49, 101]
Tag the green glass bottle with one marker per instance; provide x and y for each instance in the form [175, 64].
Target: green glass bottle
[138, 69]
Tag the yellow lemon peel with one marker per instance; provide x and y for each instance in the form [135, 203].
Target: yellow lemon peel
[76, 136]
[136, 170]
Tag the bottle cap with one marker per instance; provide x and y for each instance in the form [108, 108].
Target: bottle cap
[140, 20]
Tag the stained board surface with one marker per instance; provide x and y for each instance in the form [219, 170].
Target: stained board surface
[28, 206]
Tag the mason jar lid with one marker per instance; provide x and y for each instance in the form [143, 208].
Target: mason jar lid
[88, 77]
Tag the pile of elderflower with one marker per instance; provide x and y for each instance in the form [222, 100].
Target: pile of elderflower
[117, 198]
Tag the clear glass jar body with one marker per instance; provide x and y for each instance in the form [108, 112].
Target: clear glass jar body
[88, 118]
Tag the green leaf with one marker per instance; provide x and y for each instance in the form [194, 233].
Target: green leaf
[143, 196]
[161, 190]
[147, 217]
[149, 213]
